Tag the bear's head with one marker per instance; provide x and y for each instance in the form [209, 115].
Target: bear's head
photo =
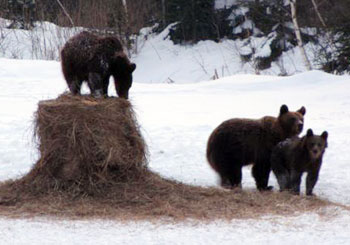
[315, 145]
[292, 123]
[122, 73]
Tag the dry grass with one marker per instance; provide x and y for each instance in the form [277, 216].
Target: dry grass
[93, 165]
[152, 197]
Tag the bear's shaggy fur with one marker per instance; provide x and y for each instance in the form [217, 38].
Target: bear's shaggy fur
[238, 142]
[87, 57]
[292, 157]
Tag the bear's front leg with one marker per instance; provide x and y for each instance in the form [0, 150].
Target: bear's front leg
[295, 181]
[95, 84]
[105, 82]
[311, 180]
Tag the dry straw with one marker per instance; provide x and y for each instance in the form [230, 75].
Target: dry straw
[94, 165]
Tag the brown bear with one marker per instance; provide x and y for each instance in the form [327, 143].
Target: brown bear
[292, 157]
[238, 142]
[87, 57]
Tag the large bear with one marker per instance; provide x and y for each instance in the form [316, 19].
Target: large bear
[292, 157]
[238, 142]
[87, 57]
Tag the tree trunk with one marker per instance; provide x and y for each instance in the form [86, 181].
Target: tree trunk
[318, 13]
[126, 12]
[163, 13]
[298, 35]
[127, 27]
[65, 12]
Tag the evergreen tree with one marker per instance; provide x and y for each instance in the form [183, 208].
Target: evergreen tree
[270, 19]
[335, 36]
[196, 20]
[338, 60]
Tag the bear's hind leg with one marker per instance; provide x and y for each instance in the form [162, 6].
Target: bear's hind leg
[95, 84]
[105, 86]
[235, 176]
[230, 172]
[231, 176]
[74, 86]
[225, 182]
[283, 181]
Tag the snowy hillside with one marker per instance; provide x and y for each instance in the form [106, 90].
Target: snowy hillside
[176, 121]
[43, 42]
[204, 60]
[174, 63]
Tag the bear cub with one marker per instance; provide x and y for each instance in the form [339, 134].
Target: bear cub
[90, 58]
[292, 157]
[238, 142]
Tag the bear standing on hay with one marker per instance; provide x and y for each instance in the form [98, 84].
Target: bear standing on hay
[87, 57]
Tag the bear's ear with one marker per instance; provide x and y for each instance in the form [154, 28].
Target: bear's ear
[309, 133]
[302, 110]
[132, 67]
[324, 135]
[284, 109]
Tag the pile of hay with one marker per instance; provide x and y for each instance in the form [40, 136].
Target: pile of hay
[94, 164]
[87, 144]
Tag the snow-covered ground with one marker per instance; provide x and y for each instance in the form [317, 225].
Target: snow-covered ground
[176, 121]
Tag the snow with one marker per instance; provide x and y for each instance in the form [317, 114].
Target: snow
[220, 4]
[176, 121]
[178, 105]
[43, 42]
[308, 229]
[208, 59]
[204, 60]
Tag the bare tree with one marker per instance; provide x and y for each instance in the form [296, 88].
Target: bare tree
[127, 26]
[65, 12]
[298, 34]
[318, 13]
[125, 6]
[329, 37]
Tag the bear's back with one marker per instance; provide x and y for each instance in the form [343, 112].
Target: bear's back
[287, 147]
[236, 129]
[77, 53]
[237, 136]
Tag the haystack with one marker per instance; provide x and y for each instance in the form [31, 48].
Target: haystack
[87, 143]
[93, 163]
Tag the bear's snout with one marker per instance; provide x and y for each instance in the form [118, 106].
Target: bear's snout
[315, 153]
